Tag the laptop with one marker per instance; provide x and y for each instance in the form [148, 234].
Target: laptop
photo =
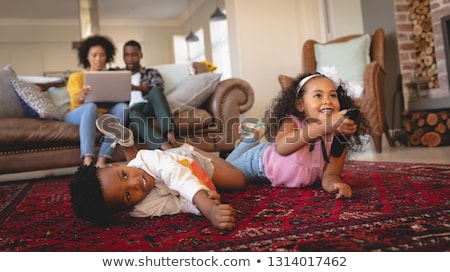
[108, 86]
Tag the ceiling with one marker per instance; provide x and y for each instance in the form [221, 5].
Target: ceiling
[145, 11]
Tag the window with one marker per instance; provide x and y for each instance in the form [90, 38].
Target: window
[187, 52]
[196, 50]
[220, 47]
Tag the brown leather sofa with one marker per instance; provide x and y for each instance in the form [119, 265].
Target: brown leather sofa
[30, 144]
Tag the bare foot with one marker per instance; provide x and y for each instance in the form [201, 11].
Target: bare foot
[101, 163]
[88, 160]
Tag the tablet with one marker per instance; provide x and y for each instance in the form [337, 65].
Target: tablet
[108, 86]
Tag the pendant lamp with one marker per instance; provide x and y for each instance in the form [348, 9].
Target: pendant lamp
[218, 15]
[191, 37]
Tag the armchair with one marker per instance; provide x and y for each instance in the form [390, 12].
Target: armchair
[372, 99]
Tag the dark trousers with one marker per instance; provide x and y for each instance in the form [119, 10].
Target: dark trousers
[156, 109]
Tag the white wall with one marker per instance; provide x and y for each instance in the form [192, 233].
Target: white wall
[267, 38]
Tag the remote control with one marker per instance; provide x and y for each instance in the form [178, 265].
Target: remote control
[339, 142]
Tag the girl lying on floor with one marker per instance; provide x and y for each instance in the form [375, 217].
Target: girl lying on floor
[308, 138]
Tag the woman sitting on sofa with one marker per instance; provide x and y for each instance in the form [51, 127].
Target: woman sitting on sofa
[94, 53]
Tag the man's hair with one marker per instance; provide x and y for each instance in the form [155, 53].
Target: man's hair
[87, 195]
[133, 43]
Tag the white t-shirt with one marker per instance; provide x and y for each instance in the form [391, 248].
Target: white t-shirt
[175, 183]
[136, 96]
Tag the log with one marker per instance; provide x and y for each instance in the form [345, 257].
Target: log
[433, 139]
[441, 128]
[418, 126]
[443, 115]
[414, 139]
[432, 119]
[421, 122]
[409, 125]
[418, 114]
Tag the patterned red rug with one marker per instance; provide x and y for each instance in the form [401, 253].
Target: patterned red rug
[396, 207]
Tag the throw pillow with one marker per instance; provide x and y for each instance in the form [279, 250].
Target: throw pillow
[38, 104]
[193, 91]
[11, 106]
[285, 82]
[58, 94]
[173, 74]
[350, 58]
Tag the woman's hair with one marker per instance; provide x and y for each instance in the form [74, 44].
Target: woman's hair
[87, 195]
[284, 105]
[86, 44]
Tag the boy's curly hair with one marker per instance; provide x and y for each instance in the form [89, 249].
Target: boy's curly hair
[283, 105]
[87, 195]
[87, 43]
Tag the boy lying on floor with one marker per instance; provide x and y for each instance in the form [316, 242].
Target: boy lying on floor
[154, 182]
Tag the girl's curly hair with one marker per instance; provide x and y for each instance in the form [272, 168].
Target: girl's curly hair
[87, 43]
[283, 105]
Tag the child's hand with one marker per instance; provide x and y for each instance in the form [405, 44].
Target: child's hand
[346, 128]
[214, 196]
[342, 190]
[222, 217]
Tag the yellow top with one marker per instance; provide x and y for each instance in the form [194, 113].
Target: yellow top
[74, 85]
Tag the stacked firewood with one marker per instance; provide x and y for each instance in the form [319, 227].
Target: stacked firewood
[427, 128]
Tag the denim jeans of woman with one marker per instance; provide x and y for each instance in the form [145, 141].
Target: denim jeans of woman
[84, 116]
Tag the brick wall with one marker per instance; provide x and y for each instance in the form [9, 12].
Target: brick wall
[410, 59]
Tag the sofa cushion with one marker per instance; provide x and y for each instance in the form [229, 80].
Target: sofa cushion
[11, 106]
[58, 94]
[173, 74]
[193, 91]
[38, 104]
[22, 131]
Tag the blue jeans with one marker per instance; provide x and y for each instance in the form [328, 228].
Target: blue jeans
[248, 158]
[84, 116]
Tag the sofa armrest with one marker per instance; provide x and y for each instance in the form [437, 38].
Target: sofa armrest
[231, 98]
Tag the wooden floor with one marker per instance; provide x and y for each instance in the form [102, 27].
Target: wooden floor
[404, 154]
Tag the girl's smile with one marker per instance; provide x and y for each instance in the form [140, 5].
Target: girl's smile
[320, 98]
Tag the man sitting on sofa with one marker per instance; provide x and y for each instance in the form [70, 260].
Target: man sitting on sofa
[148, 101]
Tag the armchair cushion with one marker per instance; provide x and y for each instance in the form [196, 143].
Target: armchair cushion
[350, 57]
[192, 92]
